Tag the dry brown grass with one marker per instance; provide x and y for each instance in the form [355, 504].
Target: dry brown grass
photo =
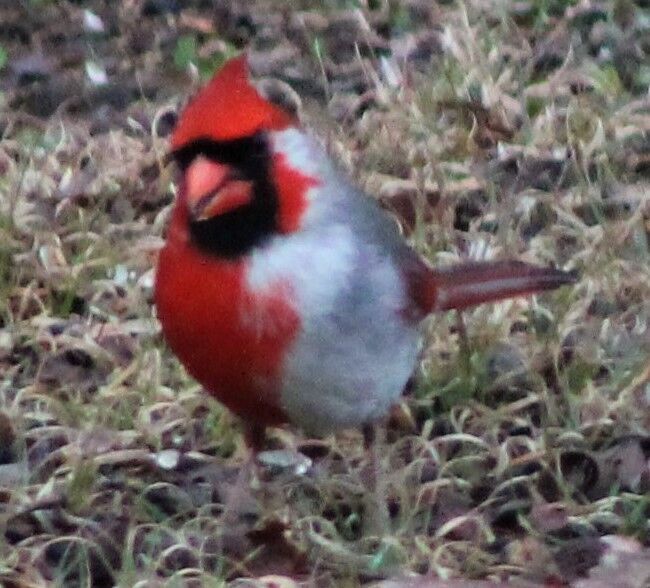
[521, 130]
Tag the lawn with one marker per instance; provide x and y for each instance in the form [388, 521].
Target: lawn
[488, 129]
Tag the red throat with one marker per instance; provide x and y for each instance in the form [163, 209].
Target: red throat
[229, 107]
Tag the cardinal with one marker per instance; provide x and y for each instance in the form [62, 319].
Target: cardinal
[288, 293]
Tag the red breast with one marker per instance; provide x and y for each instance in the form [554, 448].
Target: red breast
[230, 339]
[199, 303]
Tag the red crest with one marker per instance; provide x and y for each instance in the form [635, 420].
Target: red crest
[228, 107]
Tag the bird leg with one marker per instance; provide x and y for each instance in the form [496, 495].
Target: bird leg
[254, 437]
[373, 440]
[463, 343]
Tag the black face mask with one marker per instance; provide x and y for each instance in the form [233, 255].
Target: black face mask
[236, 232]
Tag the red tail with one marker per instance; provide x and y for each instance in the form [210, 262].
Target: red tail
[467, 284]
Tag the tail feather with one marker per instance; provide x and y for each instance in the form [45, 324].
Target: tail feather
[463, 285]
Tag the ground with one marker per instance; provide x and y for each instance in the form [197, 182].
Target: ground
[488, 129]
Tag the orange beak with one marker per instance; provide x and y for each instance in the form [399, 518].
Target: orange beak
[212, 189]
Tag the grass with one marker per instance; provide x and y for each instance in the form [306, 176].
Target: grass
[116, 465]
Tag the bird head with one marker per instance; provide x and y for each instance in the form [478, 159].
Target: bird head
[236, 190]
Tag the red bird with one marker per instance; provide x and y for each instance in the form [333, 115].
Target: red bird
[285, 291]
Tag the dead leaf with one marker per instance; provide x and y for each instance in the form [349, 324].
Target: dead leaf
[622, 566]
[625, 464]
[549, 516]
